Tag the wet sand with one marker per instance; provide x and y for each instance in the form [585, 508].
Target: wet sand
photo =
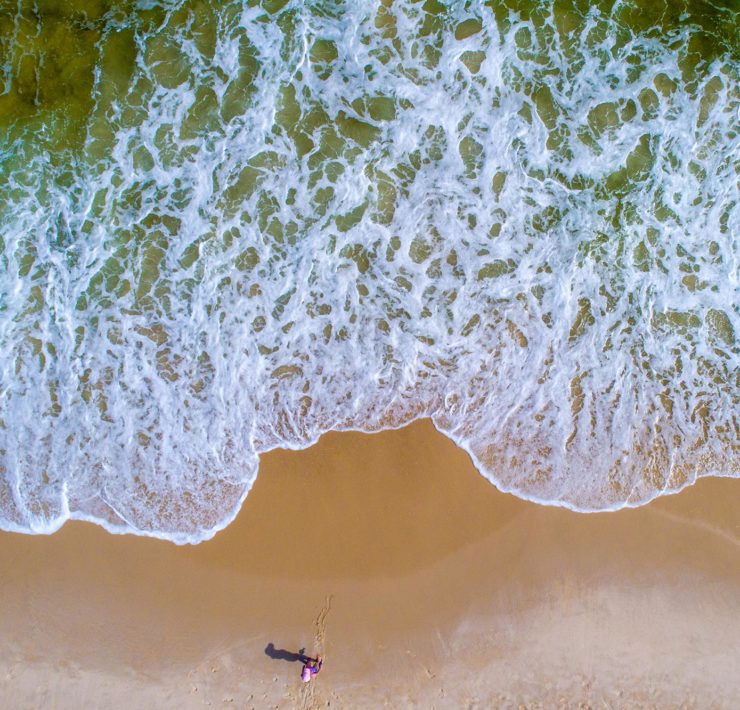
[419, 581]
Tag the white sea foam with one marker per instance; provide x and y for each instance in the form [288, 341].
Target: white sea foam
[345, 220]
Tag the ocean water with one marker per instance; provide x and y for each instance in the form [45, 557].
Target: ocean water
[228, 227]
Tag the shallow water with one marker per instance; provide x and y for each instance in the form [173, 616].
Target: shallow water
[228, 227]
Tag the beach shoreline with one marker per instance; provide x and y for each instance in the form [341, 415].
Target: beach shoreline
[421, 584]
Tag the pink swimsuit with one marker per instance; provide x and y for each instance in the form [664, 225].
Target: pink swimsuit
[309, 672]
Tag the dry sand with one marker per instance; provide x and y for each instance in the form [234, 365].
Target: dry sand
[422, 585]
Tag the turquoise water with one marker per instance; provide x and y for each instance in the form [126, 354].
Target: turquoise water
[230, 227]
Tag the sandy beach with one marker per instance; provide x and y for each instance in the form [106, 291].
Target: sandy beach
[421, 584]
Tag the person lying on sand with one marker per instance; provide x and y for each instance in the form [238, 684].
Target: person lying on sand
[311, 668]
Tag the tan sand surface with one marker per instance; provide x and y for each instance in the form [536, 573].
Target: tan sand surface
[421, 583]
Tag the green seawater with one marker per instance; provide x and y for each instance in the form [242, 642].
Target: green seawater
[231, 226]
[76, 72]
[65, 62]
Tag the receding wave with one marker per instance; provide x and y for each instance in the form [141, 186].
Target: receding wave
[228, 227]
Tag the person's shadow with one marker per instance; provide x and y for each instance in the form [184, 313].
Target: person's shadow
[280, 654]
